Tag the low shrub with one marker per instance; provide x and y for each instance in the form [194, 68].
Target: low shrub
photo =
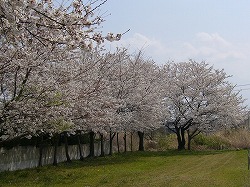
[210, 142]
[162, 142]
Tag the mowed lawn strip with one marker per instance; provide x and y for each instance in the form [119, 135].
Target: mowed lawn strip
[170, 168]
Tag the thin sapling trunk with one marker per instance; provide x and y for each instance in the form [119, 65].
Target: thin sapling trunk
[131, 141]
[66, 144]
[117, 142]
[91, 144]
[56, 141]
[125, 141]
[80, 145]
[141, 140]
[40, 151]
[111, 137]
[102, 146]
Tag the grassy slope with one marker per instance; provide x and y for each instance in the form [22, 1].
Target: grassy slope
[172, 168]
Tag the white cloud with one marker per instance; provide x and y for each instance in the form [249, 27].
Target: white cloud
[150, 46]
[140, 41]
[213, 48]
[213, 39]
[221, 53]
[204, 46]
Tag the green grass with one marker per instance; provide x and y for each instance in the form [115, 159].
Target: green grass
[170, 168]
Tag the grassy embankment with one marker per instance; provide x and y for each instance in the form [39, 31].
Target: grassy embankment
[170, 168]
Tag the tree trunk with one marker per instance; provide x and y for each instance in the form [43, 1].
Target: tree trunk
[189, 143]
[117, 142]
[180, 138]
[141, 140]
[111, 137]
[56, 140]
[183, 138]
[191, 135]
[91, 144]
[66, 145]
[125, 141]
[40, 152]
[102, 146]
[110, 143]
[80, 146]
[131, 141]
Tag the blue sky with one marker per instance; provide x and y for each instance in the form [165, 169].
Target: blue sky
[217, 31]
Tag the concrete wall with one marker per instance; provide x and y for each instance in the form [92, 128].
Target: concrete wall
[22, 157]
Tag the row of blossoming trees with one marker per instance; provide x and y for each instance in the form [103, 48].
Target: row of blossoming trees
[56, 79]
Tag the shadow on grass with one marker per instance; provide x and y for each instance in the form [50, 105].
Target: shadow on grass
[127, 157]
[71, 172]
[178, 152]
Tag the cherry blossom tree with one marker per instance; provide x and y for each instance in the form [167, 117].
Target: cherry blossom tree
[92, 104]
[41, 44]
[35, 37]
[199, 98]
[135, 83]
